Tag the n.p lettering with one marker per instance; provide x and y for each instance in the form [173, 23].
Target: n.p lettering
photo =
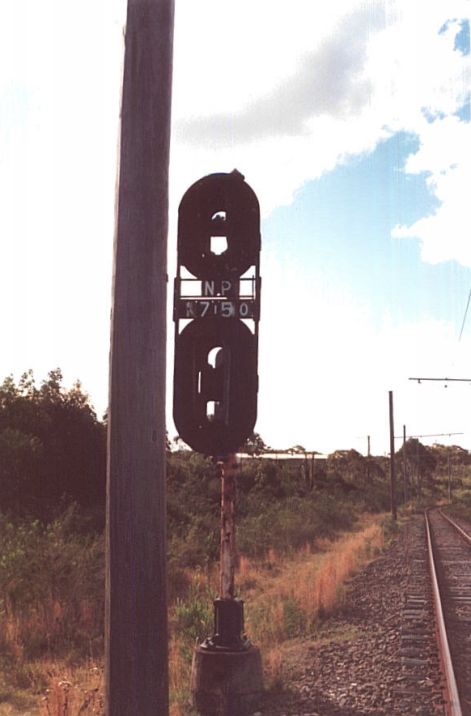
[209, 288]
[225, 287]
[217, 288]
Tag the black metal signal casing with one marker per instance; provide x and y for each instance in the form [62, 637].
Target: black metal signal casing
[216, 313]
[199, 218]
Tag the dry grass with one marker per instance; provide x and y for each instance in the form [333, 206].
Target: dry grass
[61, 690]
[179, 675]
[46, 624]
[73, 691]
[286, 597]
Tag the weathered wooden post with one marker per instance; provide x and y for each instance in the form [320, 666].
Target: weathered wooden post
[136, 605]
[217, 301]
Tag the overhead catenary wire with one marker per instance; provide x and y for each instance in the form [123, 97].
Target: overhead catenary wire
[445, 380]
[428, 435]
[465, 314]
[452, 380]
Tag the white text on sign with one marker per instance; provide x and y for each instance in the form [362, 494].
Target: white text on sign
[217, 288]
[199, 308]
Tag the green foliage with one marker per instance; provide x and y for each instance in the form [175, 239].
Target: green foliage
[297, 449]
[294, 619]
[280, 504]
[193, 620]
[421, 462]
[255, 445]
[291, 523]
[193, 615]
[453, 454]
[461, 506]
[52, 447]
[51, 587]
[193, 499]
[20, 459]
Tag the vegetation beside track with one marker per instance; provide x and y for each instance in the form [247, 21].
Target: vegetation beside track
[52, 448]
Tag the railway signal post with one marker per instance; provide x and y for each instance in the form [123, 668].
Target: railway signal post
[216, 313]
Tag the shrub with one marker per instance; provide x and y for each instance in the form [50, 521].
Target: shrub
[51, 588]
[292, 523]
[294, 618]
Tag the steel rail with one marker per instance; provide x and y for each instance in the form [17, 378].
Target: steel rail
[459, 529]
[453, 707]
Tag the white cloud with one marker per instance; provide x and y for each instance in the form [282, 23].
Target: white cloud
[445, 157]
[328, 80]
[286, 100]
[229, 54]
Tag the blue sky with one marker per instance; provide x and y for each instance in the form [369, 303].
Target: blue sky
[350, 120]
[341, 225]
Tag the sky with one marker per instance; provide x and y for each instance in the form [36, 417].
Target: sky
[351, 122]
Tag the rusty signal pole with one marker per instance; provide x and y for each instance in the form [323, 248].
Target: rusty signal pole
[227, 473]
[136, 605]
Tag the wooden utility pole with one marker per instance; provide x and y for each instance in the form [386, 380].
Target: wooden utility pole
[393, 468]
[136, 603]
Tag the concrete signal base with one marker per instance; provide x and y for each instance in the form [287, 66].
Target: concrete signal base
[226, 683]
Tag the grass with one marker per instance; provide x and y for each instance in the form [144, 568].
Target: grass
[287, 598]
[74, 691]
[51, 688]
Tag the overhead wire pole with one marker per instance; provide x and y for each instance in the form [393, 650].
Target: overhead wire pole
[136, 660]
[368, 459]
[449, 474]
[368, 443]
[392, 464]
[404, 462]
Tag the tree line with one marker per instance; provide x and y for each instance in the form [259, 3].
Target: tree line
[53, 453]
[52, 447]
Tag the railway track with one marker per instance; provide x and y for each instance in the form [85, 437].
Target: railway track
[392, 665]
[450, 559]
